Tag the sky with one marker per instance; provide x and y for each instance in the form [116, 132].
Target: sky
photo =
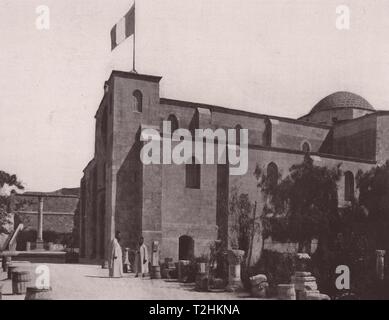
[276, 57]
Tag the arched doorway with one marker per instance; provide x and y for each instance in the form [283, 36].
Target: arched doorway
[185, 248]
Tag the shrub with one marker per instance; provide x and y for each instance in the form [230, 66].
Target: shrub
[278, 267]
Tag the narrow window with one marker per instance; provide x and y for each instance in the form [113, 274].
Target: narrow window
[349, 186]
[104, 126]
[267, 134]
[138, 101]
[193, 175]
[195, 123]
[306, 147]
[238, 128]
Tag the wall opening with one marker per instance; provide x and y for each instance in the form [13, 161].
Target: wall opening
[193, 174]
[186, 248]
[138, 101]
[268, 133]
[272, 174]
[349, 186]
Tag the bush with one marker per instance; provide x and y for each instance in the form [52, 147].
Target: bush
[278, 267]
[361, 265]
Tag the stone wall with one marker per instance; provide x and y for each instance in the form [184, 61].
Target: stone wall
[58, 223]
[330, 117]
[382, 143]
[153, 201]
[356, 138]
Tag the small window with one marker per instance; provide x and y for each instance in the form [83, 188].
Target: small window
[349, 186]
[193, 175]
[238, 129]
[267, 134]
[306, 147]
[138, 101]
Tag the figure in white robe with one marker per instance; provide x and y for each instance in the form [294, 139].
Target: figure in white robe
[116, 258]
[142, 260]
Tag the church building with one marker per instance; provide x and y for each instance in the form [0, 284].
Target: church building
[185, 207]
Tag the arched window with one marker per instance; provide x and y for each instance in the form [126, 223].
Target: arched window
[272, 174]
[349, 186]
[306, 147]
[238, 128]
[138, 101]
[193, 174]
[267, 134]
[173, 122]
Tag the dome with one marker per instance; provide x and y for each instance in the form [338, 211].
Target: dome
[342, 99]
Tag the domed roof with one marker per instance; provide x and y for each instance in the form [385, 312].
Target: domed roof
[342, 99]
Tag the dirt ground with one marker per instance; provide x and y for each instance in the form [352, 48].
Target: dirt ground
[91, 282]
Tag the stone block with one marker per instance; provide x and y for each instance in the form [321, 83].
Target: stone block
[286, 292]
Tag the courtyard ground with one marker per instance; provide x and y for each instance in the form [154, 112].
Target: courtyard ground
[91, 282]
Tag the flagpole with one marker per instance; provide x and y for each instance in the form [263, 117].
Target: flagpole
[134, 45]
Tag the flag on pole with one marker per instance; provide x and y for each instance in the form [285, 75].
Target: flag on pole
[124, 29]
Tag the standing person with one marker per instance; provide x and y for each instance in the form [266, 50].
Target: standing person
[141, 259]
[116, 258]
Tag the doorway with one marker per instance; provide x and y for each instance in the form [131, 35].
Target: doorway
[186, 248]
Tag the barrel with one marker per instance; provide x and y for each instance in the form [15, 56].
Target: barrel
[5, 262]
[20, 280]
[286, 292]
[202, 282]
[1, 291]
[155, 272]
[17, 265]
[35, 293]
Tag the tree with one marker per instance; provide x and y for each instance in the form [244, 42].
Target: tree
[304, 204]
[245, 223]
[240, 210]
[8, 185]
[374, 203]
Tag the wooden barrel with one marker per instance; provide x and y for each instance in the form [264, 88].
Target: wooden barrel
[17, 265]
[11, 268]
[34, 293]
[286, 292]
[155, 272]
[5, 262]
[202, 282]
[20, 280]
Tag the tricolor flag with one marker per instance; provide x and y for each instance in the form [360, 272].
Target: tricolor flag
[123, 29]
